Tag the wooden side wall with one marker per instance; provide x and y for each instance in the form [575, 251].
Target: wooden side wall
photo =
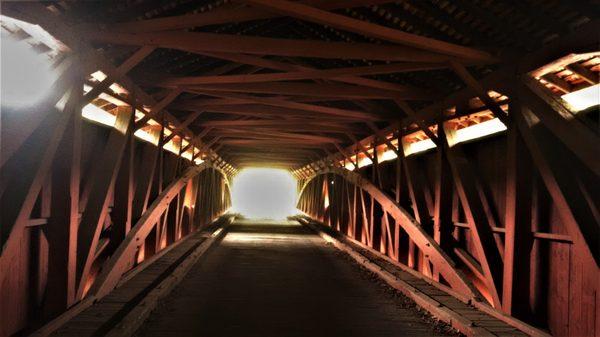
[30, 284]
[563, 280]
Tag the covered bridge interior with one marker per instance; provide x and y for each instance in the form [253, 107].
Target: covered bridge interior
[448, 147]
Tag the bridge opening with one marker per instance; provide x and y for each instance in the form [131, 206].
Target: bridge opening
[264, 193]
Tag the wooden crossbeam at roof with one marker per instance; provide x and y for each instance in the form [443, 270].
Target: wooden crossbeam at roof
[307, 67]
[293, 105]
[316, 74]
[342, 91]
[223, 16]
[208, 42]
[309, 13]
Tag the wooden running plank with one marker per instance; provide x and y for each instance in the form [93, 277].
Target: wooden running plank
[161, 273]
[429, 294]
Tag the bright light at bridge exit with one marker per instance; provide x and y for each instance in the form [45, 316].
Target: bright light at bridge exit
[264, 193]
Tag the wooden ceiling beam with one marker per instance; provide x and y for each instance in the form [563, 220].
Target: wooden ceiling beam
[296, 128]
[466, 76]
[267, 114]
[340, 90]
[225, 101]
[196, 42]
[264, 156]
[158, 108]
[263, 111]
[119, 72]
[268, 134]
[272, 152]
[232, 149]
[294, 105]
[264, 142]
[281, 124]
[312, 14]
[305, 75]
[189, 120]
[274, 123]
[222, 16]
[282, 66]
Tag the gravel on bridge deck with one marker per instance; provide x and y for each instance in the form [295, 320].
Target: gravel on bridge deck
[280, 279]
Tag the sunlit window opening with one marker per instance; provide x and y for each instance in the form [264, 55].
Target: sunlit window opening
[264, 193]
[98, 115]
[27, 74]
[582, 99]
[482, 129]
[420, 146]
[364, 161]
[387, 155]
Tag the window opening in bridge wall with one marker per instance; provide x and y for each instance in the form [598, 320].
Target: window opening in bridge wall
[264, 193]
[573, 79]
[582, 99]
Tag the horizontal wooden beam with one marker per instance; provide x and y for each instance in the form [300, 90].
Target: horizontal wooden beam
[209, 42]
[119, 72]
[263, 122]
[262, 111]
[282, 66]
[158, 108]
[294, 105]
[275, 135]
[266, 142]
[304, 12]
[189, 120]
[342, 91]
[316, 74]
[223, 15]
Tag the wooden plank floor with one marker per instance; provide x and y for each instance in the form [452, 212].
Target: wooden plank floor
[490, 325]
[478, 318]
[99, 318]
[280, 279]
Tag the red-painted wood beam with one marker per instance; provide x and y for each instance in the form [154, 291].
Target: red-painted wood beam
[223, 15]
[308, 13]
[196, 42]
[316, 74]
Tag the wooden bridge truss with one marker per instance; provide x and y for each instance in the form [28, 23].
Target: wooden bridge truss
[330, 90]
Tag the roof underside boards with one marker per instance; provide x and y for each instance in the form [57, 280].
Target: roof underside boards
[273, 82]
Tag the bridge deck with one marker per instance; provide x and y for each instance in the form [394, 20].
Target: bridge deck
[271, 279]
[280, 279]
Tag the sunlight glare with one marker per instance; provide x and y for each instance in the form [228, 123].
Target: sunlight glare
[26, 76]
[584, 98]
[480, 130]
[264, 193]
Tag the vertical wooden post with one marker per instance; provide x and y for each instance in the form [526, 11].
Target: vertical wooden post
[61, 229]
[443, 226]
[417, 191]
[123, 195]
[518, 239]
